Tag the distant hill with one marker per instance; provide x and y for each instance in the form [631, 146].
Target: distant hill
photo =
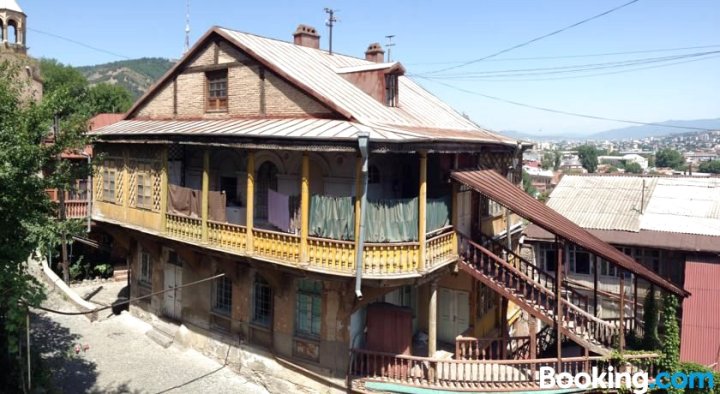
[519, 135]
[136, 75]
[637, 132]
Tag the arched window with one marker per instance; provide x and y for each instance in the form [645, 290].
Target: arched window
[2, 30]
[266, 180]
[12, 32]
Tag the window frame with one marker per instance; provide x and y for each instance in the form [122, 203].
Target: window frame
[109, 179]
[216, 91]
[221, 296]
[143, 187]
[145, 260]
[261, 289]
[312, 310]
[391, 90]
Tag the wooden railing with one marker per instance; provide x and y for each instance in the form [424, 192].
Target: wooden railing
[277, 246]
[76, 209]
[543, 277]
[441, 247]
[514, 348]
[496, 375]
[331, 255]
[227, 235]
[391, 258]
[184, 227]
[585, 324]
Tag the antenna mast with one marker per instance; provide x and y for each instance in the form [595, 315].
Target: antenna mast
[330, 23]
[389, 45]
[187, 26]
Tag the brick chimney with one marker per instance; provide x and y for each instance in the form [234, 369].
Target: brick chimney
[375, 53]
[307, 36]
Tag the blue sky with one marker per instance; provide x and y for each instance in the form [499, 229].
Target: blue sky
[432, 32]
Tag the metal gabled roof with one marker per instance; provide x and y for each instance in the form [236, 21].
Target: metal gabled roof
[684, 205]
[496, 187]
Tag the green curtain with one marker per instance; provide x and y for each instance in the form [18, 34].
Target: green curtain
[392, 220]
[332, 217]
[438, 213]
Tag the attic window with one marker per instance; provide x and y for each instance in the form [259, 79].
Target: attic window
[217, 93]
[391, 90]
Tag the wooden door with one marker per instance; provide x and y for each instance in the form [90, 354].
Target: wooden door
[172, 299]
[453, 314]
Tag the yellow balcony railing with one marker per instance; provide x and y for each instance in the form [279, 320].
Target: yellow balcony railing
[391, 258]
[184, 227]
[227, 235]
[331, 255]
[277, 246]
[440, 248]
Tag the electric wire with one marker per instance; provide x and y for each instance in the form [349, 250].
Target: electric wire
[561, 112]
[586, 20]
[82, 44]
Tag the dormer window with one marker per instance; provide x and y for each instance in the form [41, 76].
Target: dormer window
[217, 92]
[391, 90]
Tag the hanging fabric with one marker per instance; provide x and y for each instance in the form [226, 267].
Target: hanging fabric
[278, 210]
[332, 217]
[438, 213]
[392, 220]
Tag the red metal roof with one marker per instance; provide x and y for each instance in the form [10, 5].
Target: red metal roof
[700, 341]
[102, 120]
[499, 189]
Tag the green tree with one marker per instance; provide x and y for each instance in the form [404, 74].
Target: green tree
[548, 160]
[105, 97]
[612, 170]
[633, 168]
[588, 155]
[26, 212]
[57, 75]
[670, 359]
[558, 160]
[669, 158]
[712, 166]
[527, 184]
[650, 340]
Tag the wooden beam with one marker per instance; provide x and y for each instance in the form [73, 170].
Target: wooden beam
[560, 248]
[622, 312]
[304, 207]
[595, 285]
[422, 209]
[250, 202]
[163, 188]
[432, 320]
[635, 301]
[205, 193]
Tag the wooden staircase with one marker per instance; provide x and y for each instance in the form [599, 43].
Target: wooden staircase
[533, 290]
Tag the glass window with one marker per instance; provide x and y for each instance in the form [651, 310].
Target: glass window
[108, 183]
[144, 187]
[217, 90]
[391, 90]
[308, 311]
[222, 295]
[262, 302]
[145, 268]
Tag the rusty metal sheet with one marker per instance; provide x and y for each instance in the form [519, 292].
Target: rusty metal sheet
[700, 342]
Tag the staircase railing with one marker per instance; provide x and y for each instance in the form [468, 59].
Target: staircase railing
[513, 348]
[543, 277]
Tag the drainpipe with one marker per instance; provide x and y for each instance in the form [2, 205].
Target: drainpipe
[363, 141]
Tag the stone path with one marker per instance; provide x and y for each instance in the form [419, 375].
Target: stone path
[119, 358]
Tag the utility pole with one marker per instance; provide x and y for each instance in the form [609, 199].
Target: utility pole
[330, 23]
[389, 45]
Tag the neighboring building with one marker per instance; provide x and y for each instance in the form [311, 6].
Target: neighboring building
[624, 159]
[669, 224]
[235, 188]
[542, 180]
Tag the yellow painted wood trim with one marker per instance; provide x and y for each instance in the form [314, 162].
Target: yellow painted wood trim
[304, 207]
[126, 182]
[163, 187]
[205, 193]
[422, 205]
[250, 202]
[358, 195]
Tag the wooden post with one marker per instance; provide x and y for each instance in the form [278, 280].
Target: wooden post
[504, 326]
[532, 328]
[358, 196]
[622, 312]
[635, 302]
[205, 193]
[126, 182]
[560, 247]
[163, 188]
[422, 208]
[304, 207]
[250, 202]
[432, 320]
[595, 286]
[455, 216]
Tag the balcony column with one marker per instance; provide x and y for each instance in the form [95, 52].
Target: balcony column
[455, 214]
[432, 320]
[250, 202]
[304, 207]
[358, 196]
[422, 208]
[560, 249]
[205, 193]
[163, 188]
[622, 313]
[125, 182]
[596, 266]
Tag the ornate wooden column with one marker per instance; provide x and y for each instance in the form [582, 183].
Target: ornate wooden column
[432, 320]
[250, 202]
[422, 209]
[304, 207]
[205, 193]
[358, 195]
[595, 285]
[560, 249]
[163, 188]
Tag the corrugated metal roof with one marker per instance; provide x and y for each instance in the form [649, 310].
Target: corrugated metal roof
[603, 203]
[684, 205]
[316, 71]
[496, 187]
[700, 342]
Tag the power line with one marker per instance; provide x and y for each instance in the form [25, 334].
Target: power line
[556, 111]
[80, 43]
[536, 38]
[507, 59]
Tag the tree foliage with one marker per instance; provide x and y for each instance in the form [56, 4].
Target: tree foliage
[670, 359]
[588, 155]
[527, 184]
[26, 212]
[633, 168]
[712, 166]
[650, 340]
[669, 158]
